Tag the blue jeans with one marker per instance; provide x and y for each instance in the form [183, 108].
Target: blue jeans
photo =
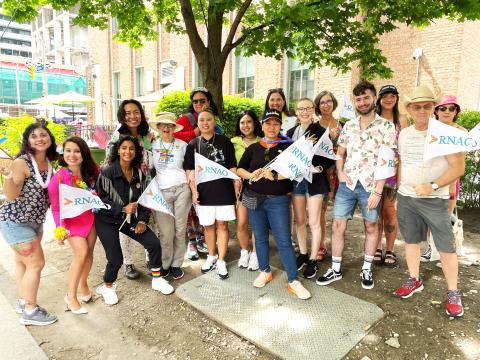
[346, 200]
[274, 213]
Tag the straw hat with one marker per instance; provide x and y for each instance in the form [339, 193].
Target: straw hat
[420, 94]
[164, 118]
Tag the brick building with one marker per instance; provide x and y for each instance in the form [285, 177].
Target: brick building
[447, 59]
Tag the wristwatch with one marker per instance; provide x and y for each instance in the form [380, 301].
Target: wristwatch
[434, 186]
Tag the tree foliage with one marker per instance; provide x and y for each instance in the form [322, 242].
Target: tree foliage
[336, 33]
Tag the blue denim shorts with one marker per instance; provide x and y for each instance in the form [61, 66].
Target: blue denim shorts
[346, 200]
[17, 233]
[303, 189]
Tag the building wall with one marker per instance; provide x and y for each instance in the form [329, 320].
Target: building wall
[449, 63]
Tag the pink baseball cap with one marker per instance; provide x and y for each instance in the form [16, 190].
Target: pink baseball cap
[448, 99]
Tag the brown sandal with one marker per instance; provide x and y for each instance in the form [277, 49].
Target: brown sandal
[378, 258]
[390, 259]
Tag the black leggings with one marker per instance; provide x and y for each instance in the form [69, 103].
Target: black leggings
[108, 234]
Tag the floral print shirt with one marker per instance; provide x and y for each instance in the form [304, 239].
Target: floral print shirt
[362, 148]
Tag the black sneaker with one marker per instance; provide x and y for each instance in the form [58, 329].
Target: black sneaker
[177, 272]
[164, 272]
[329, 277]
[131, 273]
[311, 269]
[302, 260]
[367, 279]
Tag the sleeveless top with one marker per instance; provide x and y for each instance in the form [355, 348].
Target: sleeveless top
[32, 204]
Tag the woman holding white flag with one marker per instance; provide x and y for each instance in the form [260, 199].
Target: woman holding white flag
[214, 199]
[325, 104]
[168, 155]
[309, 194]
[120, 185]
[266, 196]
[22, 216]
[78, 170]
[387, 107]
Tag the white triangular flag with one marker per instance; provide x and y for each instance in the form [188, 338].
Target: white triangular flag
[443, 139]
[152, 198]
[75, 201]
[208, 170]
[346, 110]
[385, 163]
[324, 146]
[295, 162]
[475, 133]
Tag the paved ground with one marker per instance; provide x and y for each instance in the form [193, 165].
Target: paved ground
[148, 325]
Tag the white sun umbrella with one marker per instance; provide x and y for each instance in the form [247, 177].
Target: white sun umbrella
[72, 97]
[45, 100]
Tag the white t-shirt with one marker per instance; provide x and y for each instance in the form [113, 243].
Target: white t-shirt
[416, 171]
[168, 162]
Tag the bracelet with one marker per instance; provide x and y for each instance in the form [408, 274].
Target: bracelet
[142, 222]
[376, 193]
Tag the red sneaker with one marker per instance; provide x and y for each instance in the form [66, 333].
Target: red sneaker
[454, 305]
[412, 285]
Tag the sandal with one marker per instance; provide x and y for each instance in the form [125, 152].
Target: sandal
[390, 259]
[378, 258]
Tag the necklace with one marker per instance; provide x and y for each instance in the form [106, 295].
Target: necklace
[209, 145]
[169, 150]
[38, 177]
[247, 142]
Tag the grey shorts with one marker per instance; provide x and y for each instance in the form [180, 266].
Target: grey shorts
[417, 215]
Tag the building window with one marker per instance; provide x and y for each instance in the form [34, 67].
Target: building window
[139, 82]
[245, 76]
[117, 97]
[300, 82]
[197, 75]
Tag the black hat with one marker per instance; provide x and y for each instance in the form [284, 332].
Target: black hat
[272, 114]
[385, 89]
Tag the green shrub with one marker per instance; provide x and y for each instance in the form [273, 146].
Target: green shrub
[178, 101]
[470, 182]
[13, 128]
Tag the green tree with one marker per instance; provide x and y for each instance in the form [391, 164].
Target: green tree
[320, 32]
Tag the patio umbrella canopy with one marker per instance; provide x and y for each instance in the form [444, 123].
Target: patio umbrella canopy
[71, 97]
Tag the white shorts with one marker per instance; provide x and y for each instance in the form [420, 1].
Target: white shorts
[208, 214]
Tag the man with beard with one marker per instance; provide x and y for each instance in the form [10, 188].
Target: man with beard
[358, 147]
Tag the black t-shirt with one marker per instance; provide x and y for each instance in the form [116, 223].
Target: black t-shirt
[319, 184]
[254, 158]
[219, 149]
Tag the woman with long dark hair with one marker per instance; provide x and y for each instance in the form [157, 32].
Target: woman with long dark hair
[133, 121]
[78, 170]
[248, 131]
[119, 186]
[22, 216]
[387, 107]
[277, 100]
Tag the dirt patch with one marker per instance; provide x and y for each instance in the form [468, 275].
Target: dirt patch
[148, 325]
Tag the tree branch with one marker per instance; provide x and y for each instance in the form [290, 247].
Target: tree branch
[196, 41]
[236, 23]
[227, 48]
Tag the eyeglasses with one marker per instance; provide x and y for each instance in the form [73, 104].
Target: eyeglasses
[427, 107]
[166, 125]
[199, 101]
[276, 90]
[305, 109]
[326, 102]
[451, 108]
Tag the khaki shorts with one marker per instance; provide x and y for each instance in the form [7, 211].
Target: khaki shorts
[418, 215]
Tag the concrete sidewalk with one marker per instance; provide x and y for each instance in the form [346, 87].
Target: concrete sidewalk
[19, 344]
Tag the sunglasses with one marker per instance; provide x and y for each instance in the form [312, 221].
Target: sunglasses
[427, 107]
[275, 90]
[199, 101]
[451, 108]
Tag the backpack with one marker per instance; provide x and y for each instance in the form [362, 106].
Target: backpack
[191, 118]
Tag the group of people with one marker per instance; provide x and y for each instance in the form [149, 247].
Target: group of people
[163, 150]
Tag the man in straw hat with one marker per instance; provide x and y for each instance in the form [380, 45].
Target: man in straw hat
[358, 147]
[423, 199]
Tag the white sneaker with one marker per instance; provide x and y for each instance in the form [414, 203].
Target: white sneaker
[222, 269]
[296, 288]
[109, 294]
[209, 264]
[253, 262]
[244, 258]
[162, 285]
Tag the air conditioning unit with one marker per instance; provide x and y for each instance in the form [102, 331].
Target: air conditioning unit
[167, 71]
